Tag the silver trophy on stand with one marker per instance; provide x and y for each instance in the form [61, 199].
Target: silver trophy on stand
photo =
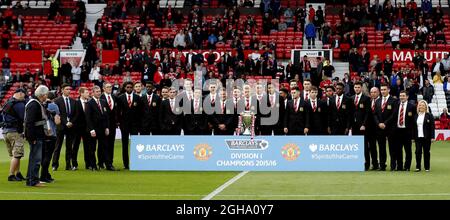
[247, 124]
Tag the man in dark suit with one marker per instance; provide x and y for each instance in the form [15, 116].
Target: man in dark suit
[222, 119]
[317, 113]
[284, 96]
[66, 129]
[111, 100]
[370, 135]
[385, 120]
[360, 114]
[129, 106]
[151, 104]
[81, 126]
[306, 88]
[195, 119]
[249, 103]
[98, 127]
[405, 115]
[296, 120]
[437, 67]
[339, 110]
[270, 106]
[171, 114]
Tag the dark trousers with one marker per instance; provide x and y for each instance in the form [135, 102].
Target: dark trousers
[403, 141]
[196, 131]
[125, 140]
[311, 40]
[102, 151]
[80, 134]
[173, 131]
[34, 163]
[424, 145]
[382, 136]
[110, 142]
[47, 153]
[370, 145]
[70, 135]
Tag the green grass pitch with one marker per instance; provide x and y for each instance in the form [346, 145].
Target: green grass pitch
[83, 184]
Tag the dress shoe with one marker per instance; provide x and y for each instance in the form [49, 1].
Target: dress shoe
[417, 170]
[48, 180]
[427, 170]
[12, 178]
[406, 169]
[74, 168]
[383, 169]
[19, 176]
[54, 168]
[126, 167]
[111, 168]
[100, 166]
[40, 184]
[374, 168]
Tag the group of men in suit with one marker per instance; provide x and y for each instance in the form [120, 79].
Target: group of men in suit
[293, 112]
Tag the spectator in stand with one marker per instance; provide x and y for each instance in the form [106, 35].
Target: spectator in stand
[427, 91]
[446, 63]
[76, 76]
[437, 78]
[310, 32]
[388, 65]
[445, 119]
[52, 10]
[437, 67]
[289, 16]
[395, 36]
[6, 65]
[328, 69]
[446, 84]
[94, 76]
[179, 41]
[19, 24]
[6, 36]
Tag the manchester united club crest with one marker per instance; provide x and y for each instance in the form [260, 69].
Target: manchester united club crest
[290, 152]
[202, 152]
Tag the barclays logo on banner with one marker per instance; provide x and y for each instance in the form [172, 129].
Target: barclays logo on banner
[242, 144]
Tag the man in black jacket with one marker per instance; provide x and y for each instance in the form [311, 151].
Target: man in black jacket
[98, 127]
[67, 109]
[317, 113]
[171, 115]
[195, 118]
[222, 119]
[360, 114]
[296, 120]
[129, 106]
[151, 104]
[385, 120]
[111, 100]
[371, 129]
[81, 131]
[339, 110]
[35, 120]
[405, 115]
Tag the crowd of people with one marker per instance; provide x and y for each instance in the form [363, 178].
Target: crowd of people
[378, 103]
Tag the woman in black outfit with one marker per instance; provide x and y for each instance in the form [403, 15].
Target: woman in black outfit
[423, 134]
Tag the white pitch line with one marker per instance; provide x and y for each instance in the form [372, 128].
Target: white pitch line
[225, 185]
[344, 195]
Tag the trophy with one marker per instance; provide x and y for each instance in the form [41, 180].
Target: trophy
[247, 123]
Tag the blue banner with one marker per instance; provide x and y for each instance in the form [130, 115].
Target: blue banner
[241, 153]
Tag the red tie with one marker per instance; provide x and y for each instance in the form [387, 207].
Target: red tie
[295, 105]
[306, 96]
[356, 101]
[401, 121]
[384, 104]
[314, 106]
[338, 104]
[223, 107]
[196, 106]
[99, 106]
[272, 101]
[213, 100]
[247, 106]
[109, 103]
[149, 100]
[373, 105]
[129, 101]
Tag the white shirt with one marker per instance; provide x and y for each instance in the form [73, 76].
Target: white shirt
[385, 99]
[129, 95]
[95, 74]
[112, 100]
[404, 114]
[437, 67]
[420, 120]
[76, 71]
[83, 103]
[395, 35]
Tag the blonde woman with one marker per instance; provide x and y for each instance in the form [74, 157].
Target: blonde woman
[423, 134]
